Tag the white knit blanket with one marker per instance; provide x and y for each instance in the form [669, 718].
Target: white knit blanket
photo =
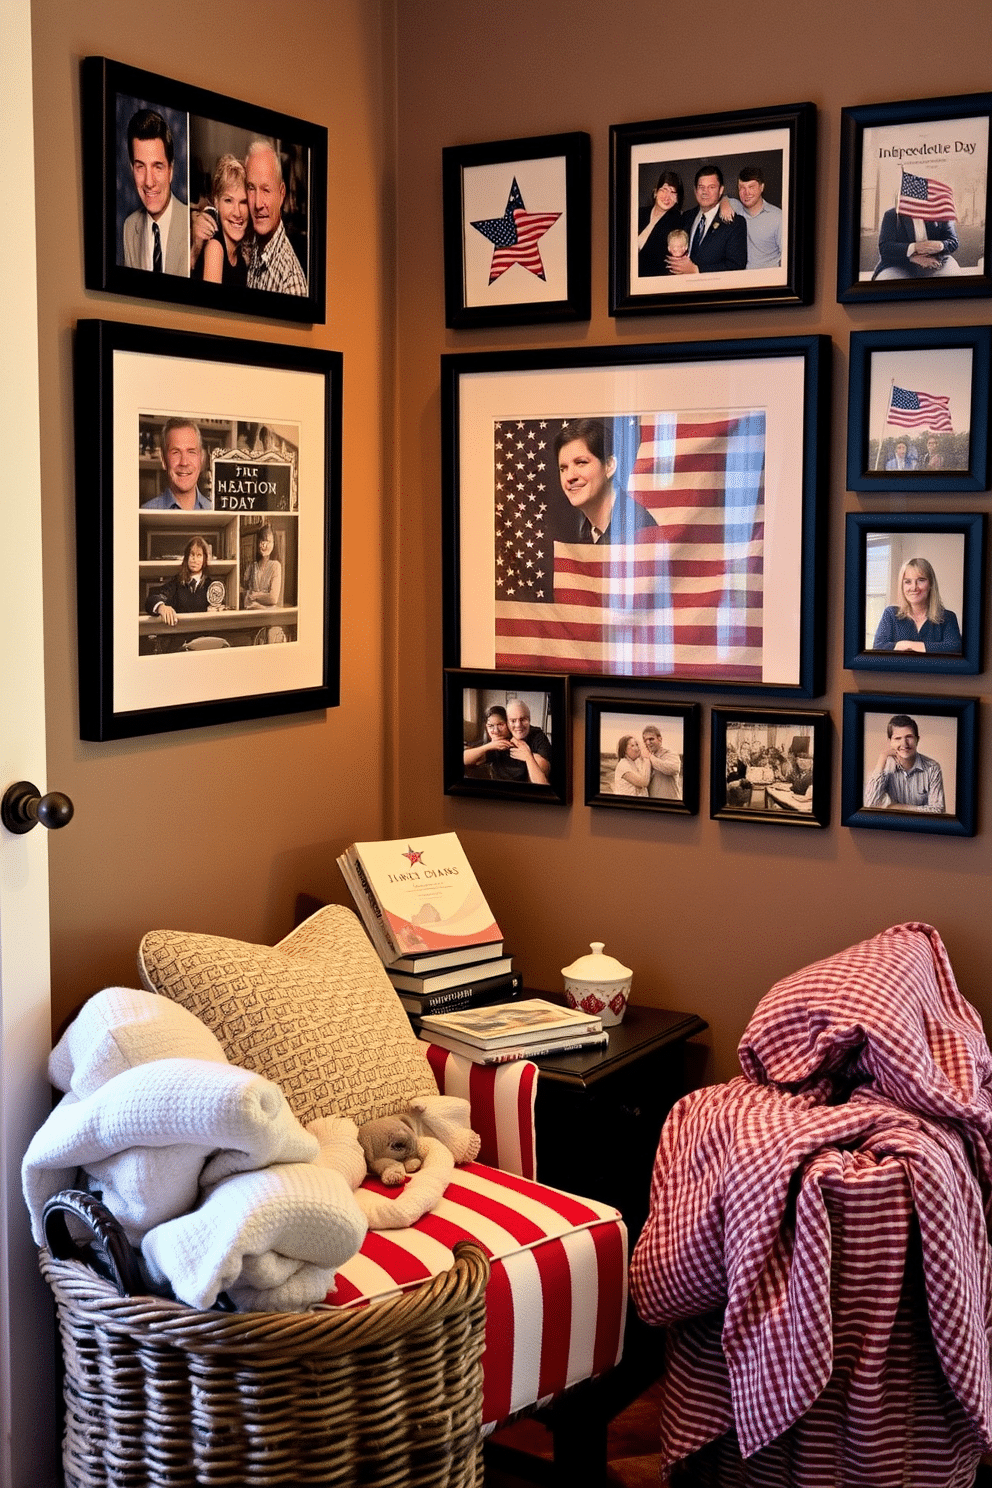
[153, 1136]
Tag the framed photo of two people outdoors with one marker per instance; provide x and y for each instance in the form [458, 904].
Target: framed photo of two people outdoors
[207, 529]
[713, 211]
[200, 199]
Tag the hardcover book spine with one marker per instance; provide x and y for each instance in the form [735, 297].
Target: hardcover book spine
[476, 994]
[385, 935]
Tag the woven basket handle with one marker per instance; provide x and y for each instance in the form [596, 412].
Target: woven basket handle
[102, 1245]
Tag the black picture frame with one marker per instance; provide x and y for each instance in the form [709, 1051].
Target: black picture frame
[888, 404]
[265, 420]
[467, 696]
[877, 142]
[203, 127]
[502, 269]
[777, 785]
[779, 141]
[670, 633]
[610, 720]
[952, 720]
[876, 548]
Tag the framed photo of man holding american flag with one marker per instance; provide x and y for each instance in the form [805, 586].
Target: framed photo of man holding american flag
[914, 200]
[918, 410]
[641, 512]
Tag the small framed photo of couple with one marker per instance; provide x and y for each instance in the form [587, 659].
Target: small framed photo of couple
[208, 504]
[910, 763]
[517, 231]
[714, 211]
[914, 200]
[200, 199]
[642, 756]
[506, 734]
[914, 589]
[770, 766]
[918, 410]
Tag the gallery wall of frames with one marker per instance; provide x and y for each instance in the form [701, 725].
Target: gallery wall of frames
[628, 515]
[654, 515]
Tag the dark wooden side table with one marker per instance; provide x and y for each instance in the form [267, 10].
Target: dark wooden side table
[600, 1112]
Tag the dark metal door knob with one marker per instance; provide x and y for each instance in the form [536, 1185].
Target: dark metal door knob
[23, 806]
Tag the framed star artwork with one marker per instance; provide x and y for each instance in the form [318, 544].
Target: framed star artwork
[516, 231]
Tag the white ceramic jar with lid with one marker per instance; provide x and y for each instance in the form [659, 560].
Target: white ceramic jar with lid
[598, 984]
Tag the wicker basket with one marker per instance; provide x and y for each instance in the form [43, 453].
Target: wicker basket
[159, 1395]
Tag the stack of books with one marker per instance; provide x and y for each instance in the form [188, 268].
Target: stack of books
[429, 921]
[520, 1030]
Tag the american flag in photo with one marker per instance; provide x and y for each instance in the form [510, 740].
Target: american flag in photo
[914, 410]
[683, 599]
[921, 196]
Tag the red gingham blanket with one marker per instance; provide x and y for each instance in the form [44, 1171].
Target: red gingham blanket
[876, 1082]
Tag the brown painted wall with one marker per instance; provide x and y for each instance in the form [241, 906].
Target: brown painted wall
[216, 829]
[707, 914]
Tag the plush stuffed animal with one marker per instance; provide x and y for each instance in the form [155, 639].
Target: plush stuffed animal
[391, 1149]
[447, 1118]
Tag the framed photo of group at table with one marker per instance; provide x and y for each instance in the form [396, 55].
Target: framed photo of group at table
[910, 763]
[918, 410]
[207, 529]
[646, 512]
[914, 592]
[642, 755]
[199, 199]
[713, 211]
[770, 766]
[914, 200]
[507, 736]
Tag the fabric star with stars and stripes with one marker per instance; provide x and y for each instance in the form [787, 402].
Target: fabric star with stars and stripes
[515, 236]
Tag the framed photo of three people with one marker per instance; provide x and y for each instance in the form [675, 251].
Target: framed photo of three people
[200, 199]
[713, 211]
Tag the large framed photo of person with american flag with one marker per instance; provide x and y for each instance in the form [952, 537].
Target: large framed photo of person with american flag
[641, 512]
[914, 200]
[918, 410]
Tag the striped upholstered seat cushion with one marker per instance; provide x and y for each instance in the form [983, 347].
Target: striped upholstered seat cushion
[543, 1244]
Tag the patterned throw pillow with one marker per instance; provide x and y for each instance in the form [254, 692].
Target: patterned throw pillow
[316, 1013]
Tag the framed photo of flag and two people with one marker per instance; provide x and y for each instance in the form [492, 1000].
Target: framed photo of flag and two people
[914, 200]
[647, 512]
[918, 410]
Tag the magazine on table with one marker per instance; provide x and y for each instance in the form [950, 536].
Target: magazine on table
[417, 895]
[533, 1020]
[507, 1053]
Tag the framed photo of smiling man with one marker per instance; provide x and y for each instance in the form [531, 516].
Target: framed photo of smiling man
[199, 199]
[910, 763]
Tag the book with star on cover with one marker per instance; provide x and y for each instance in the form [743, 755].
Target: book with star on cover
[418, 894]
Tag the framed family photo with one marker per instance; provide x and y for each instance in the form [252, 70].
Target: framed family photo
[918, 410]
[910, 763]
[199, 199]
[506, 735]
[770, 766]
[517, 231]
[644, 511]
[914, 591]
[207, 529]
[713, 211]
[642, 756]
[914, 200]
